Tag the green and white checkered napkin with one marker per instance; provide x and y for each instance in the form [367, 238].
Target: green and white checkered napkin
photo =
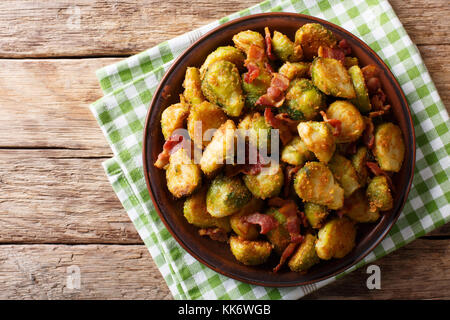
[128, 87]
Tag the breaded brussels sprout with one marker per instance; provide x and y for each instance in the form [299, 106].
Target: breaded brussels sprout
[227, 53]
[379, 194]
[279, 237]
[292, 70]
[249, 252]
[285, 49]
[389, 147]
[209, 116]
[352, 122]
[173, 117]
[267, 183]
[316, 214]
[318, 138]
[245, 230]
[220, 149]
[226, 195]
[311, 36]
[359, 160]
[256, 88]
[305, 256]
[303, 100]
[331, 77]
[244, 39]
[194, 210]
[345, 173]
[362, 100]
[258, 130]
[182, 175]
[192, 86]
[222, 86]
[336, 238]
[315, 183]
[356, 207]
[296, 153]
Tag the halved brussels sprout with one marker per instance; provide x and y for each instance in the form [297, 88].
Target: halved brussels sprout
[318, 138]
[244, 230]
[209, 116]
[331, 77]
[362, 100]
[292, 70]
[296, 153]
[315, 183]
[194, 210]
[303, 100]
[316, 214]
[222, 86]
[267, 183]
[336, 238]
[359, 160]
[279, 237]
[244, 39]
[305, 256]
[352, 122]
[345, 173]
[285, 49]
[311, 36]
[356, 207]
[389, 147]
[227, 53]
[226, 195]
[248, 252]
[379, 194]
[173, 117]
[182, 175]
[258, 130]
[192, 86]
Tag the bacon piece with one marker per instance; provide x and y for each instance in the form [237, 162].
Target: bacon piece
[335, 123]
[255, 54]
[289, 173]
[284, 130]
[345, 46]
[334, 53]
[376, 170]
[268, 39]
[170, 146]
[368, 133]
[216, 234]
[289, 209]
[274, 97]
[287, 253]
[247, 167]
[370, 71]
[265, 221]
[253, 72]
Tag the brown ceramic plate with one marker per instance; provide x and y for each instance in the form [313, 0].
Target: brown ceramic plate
[217, 255]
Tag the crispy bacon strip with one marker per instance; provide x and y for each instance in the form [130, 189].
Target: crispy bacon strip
[334, 53]
[370, 71]
[268, 39]
[253, 72]
[274, 97]
[289, 209]
[265, 221]
[216, 234]
[247, 167]
[376, 170]
[289, 173]
[335, 123]
[287, 253]
[368, 133]
[276, 123]
[169, 147]
[255, 58]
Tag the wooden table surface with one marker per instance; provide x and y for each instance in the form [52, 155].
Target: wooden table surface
[57, 208]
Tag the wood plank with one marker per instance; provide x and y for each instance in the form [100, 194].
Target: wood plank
[111, 28]
[128, 272]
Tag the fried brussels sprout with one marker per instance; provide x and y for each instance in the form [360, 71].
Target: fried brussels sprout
[357, 208]
[316, 214]
[285, 49]
[182, 175]
[331, 77]
[362, 100]
[245, 230]
[192, 86]
[305, 256]
[295, 69]
[296, 153]
[389, 147]
[352, 122]
[256, 89]
[194, 210]
[359, 160]
[248, 252]
[222, 86]
[173, 117]
[244, 39]
[315, 183]
[379, 194]
[336, 238]
[350, 62]
[279, 237]
[318, 138]
[345, 174]
[203, 117]
[267, 183]
[258, 130]
[227, 53]
[226, 195]
[220, 149]
[311, 36]
[303, 100]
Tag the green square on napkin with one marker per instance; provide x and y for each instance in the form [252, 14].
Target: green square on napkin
[128, 87]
